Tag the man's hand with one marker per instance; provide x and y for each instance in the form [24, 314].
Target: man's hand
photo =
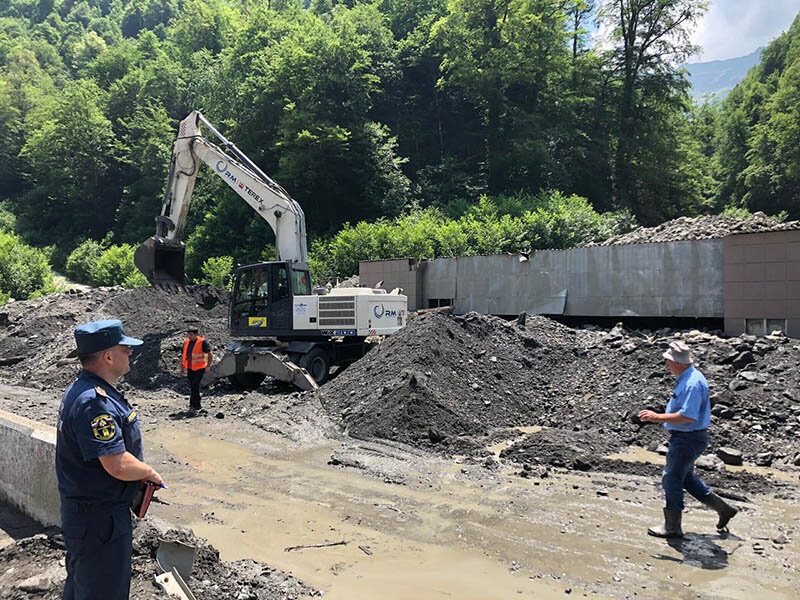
[156, 478]
[649, 416]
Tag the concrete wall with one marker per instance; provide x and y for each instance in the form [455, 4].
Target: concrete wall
[675, 279]
[400, 272]
[762, 281]
[27, 468]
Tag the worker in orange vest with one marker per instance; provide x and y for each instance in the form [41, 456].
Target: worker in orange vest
[196, 357]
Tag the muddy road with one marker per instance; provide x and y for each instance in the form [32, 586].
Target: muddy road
[419, 525]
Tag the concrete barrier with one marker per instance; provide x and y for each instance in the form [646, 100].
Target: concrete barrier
[27, 468]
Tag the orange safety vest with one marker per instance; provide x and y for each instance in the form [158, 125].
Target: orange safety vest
[198, 356]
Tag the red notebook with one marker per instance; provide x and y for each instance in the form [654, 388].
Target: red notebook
[142, 502]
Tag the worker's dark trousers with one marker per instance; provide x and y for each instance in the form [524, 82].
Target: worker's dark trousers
[99, 546]
[194, 381]
[685, 447]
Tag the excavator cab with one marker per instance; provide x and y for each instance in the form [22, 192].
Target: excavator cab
[261, 302]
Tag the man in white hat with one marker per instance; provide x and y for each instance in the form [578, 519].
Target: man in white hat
[687, 418]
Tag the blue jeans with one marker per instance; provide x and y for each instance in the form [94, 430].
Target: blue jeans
[685, 447]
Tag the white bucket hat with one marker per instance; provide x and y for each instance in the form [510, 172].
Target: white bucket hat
[678, 352]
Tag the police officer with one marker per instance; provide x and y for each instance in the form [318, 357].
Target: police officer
[99, 466]
[196, 356]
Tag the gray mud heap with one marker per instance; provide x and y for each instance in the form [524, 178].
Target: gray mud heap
[454, 383]
[699, 228]
[33, 569]
[36, 335]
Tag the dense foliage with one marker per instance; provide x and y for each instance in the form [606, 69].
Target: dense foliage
[401, 126]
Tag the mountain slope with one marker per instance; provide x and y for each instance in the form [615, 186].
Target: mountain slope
[718, 77]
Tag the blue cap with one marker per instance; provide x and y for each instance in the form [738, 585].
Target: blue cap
[100, 335]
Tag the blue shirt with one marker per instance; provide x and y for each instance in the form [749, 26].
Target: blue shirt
[690, 399]
[94, 420]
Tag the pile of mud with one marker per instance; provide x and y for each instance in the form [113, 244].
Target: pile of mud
[33, 569]
[699, 228]
[37, 335]
[449, 383]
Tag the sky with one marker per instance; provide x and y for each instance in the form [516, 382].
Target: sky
[733, 28]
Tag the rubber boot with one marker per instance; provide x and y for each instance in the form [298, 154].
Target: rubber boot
[725, 511]
[671, 527]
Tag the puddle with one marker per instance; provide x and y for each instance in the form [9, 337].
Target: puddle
[496, 449]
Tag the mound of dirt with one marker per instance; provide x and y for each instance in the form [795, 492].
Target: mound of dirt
[33, 570]
[445, 380]
[37, 335]
[699, 228]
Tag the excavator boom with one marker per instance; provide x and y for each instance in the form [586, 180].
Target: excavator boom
[161, 257]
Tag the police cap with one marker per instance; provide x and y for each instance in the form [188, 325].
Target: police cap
[101, 335]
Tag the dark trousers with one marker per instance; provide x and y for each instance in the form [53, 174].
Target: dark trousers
[99, 547]
[685, 447]
[194, 381]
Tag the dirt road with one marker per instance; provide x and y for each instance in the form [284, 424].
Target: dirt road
[419, 526]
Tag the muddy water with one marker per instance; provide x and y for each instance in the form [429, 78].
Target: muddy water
[458, 531]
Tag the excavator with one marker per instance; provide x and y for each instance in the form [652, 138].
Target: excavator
[281, 326]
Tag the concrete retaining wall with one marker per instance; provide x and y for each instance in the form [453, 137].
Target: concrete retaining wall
[27, 468]
[672, 279]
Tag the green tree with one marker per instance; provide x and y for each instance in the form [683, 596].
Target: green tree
[651, 37]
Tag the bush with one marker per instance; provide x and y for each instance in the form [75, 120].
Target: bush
[214, 271]
[24, 270]
[548, 219]
[115, 267]
[83, 260]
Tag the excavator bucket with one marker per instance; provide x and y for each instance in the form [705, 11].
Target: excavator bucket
[161, 263]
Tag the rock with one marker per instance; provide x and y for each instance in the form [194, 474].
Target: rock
[722, 411]
[653, 446]
[737, 385]
[220, 415]
[730, 456]
[628, 348]
[709, 462]
[752, 376]
[796, 461]
[662, 449]
[581, 464]
[44, 582]
[781, 539]
[743, 359]
[764, 459]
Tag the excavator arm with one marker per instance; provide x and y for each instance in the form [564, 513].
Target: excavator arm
[161, 258]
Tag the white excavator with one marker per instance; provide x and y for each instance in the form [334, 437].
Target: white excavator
[281, 328]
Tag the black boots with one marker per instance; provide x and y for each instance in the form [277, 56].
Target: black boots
[671, 527]
[725, 511]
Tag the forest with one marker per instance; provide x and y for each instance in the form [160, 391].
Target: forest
[403, 127]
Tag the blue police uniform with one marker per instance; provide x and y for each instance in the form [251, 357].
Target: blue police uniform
[687, 441]
[95, 420]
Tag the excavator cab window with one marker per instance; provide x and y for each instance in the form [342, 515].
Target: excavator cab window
[301, 283]
[281, 283]
[251, 295]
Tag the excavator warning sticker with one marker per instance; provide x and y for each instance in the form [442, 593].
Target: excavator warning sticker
[256, 321]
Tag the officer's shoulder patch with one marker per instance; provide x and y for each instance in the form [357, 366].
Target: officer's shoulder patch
[132, 417]
[100, 391]
[104, 428]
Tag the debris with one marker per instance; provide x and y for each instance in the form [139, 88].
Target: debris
[365, 550]
[323, 545]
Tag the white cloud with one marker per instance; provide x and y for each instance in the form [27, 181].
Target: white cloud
[734, 28]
